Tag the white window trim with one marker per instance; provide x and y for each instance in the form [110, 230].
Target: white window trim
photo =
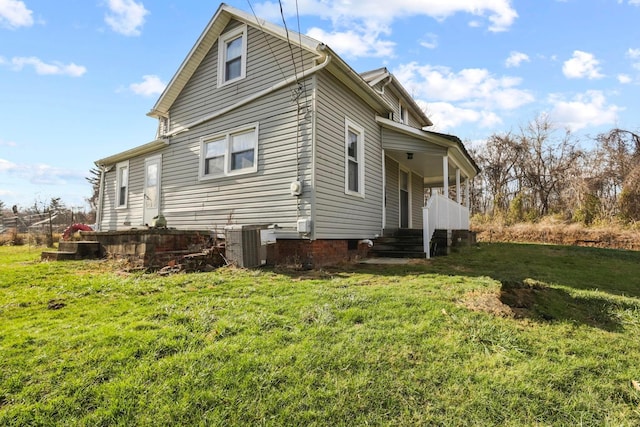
[349, 125]
[119, 167]
[226, 136]
[402, 108]
[222, 54]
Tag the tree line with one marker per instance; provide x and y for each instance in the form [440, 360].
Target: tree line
[541, 171]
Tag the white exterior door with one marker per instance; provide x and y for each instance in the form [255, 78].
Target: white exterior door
[152, 171]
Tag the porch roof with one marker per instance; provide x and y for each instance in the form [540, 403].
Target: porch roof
[427, 149]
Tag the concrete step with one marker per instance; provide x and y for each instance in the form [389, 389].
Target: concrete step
[70, 250]
[58, 256]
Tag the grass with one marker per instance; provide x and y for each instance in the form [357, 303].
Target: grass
[84, 344]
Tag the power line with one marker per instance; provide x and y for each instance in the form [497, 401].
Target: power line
[266, 38]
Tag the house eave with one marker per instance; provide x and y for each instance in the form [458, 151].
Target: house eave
[147, 148]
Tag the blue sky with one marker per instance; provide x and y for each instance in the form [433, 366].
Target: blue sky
[77, 77]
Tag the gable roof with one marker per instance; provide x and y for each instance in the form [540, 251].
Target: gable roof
[214, 29]
[207, 39]
[374, 77]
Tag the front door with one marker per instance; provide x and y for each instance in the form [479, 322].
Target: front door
[404, 199]
[152, 168]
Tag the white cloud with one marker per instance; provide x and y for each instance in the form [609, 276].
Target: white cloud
[353, 44]
[42, 68]
[499, 13]
[7, 143]
[472, 87]
[624, 78]
[634, 54]
[471, 95]
[14, 14]
[584, 110]
[581, 65]
[429, 41]
[446, 116]
[150, 85]
[41, 174]
[516, 58]
[126, 17]
[7, 166]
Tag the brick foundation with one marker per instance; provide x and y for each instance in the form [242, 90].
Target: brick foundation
[153, 248]
[315, 253]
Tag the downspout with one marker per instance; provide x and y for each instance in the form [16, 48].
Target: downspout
[277, 86]
[387, 83]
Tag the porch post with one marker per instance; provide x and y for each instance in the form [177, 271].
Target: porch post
[467, 197]
[445, 176]
[458, 193]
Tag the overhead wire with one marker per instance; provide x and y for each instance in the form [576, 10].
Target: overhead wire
[266, 39]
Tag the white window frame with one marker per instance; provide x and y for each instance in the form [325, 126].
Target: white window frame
[350, 126]
[227, 138]
[223, 40]
[122, 204]
[403, 113]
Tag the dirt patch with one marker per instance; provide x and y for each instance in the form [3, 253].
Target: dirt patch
[514, 299]
[55, 304]
[487, 302]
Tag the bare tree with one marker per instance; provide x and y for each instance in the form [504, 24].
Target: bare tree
[94, 180]
[546, 164]
[499, 160]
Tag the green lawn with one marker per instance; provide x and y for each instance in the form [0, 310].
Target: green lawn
[84, 344]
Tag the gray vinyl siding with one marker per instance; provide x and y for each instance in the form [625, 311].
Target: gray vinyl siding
[262, 197]
[339, 215]
[269, 61]
[131, 216]
[417, 199]
[392, 170]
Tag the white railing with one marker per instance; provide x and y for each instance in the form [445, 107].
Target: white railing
[444, 214]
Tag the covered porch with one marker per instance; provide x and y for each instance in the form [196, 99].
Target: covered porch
[427, 183]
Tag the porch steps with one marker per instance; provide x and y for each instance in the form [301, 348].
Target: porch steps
[73, 251]
[404, 243]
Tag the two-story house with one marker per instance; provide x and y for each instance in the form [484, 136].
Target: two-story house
[260, 125]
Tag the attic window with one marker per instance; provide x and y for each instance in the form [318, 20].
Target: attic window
[404, 114]
[232, 56]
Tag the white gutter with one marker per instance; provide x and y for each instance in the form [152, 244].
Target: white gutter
[245, 101]
[137, 151]
[387, 83]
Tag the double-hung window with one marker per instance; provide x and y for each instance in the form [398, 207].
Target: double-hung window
[232, 56]
[230, 153]
[122, 184]
[354, 159]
